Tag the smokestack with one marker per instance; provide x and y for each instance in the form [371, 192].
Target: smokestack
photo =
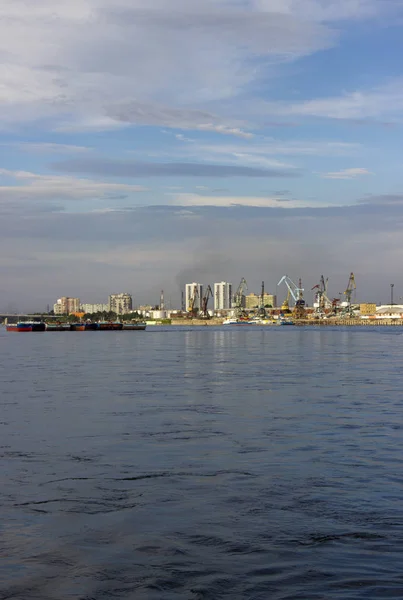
[162, 305]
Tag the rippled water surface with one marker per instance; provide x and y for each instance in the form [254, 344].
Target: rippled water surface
[251, 463]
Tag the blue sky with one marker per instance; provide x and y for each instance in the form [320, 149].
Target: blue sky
[144, 146]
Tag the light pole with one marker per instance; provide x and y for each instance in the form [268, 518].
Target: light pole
[392, 285]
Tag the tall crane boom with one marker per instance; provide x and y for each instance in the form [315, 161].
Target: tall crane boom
[348, 293]
[351, 287]
[192, 302]
[321, 298]
[297, 293]
[204, 303]
[238, 298]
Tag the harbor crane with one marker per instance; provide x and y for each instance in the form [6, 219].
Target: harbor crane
[285, 307]
[239, 310]
[192, 302]
[261, 311]
[348, 293]
[321, 298]
[204, 303]
[297, 293]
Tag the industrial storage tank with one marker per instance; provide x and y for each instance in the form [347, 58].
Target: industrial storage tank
[159, 314]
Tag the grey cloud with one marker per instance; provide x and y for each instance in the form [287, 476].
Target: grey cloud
[140, 113]
[120, 168]
[287, 35]
[89, 254]
[152, 114]
[382, 200]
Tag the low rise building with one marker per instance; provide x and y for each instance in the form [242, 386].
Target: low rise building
[368, 308]
[90, 309]
[255, 300]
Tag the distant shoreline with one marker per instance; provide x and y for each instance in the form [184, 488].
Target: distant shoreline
[298, 323]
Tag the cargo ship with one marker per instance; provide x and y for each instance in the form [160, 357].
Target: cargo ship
[77, 326]
[26, 326]
[102, 326]
[134, 326]
[57, 327]
[19, 327]
[109, 326]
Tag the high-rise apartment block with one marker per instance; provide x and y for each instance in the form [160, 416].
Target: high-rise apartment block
[66, 306]
[193, 290]
[120, 303]
[222, 295]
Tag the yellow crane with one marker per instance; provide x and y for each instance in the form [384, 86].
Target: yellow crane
[285, 307]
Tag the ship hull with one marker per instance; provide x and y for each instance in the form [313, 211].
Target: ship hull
[54, 327]
[134, 326]
[38, 326]
[22, 327]
[19, 327]
[110, 326]
[77, 327]
[238, 322]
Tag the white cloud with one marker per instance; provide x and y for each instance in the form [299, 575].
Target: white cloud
[262, 153]
[377, 102]
[17, 185]
[225, 130]
[329, 10]
[347, 174]
[82, 62]
[48, 148]
[228, 201]
[102, 64]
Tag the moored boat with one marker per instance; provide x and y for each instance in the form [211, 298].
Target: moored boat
[134, 326]
[19, 327]
[38, 326]
[57, 327]
[110, 325]
[27, 326]
[77, 326]
[91, 326]
[239, 322]
[285, 322]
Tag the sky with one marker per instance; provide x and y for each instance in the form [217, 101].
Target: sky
[145, 145]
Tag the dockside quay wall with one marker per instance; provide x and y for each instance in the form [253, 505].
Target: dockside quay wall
[350, 322]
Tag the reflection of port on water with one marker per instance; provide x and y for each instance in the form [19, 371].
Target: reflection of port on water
[214, 354]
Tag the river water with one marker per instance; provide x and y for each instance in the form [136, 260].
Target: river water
[207, 463]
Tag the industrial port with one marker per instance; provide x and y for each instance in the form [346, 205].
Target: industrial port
[219, 305]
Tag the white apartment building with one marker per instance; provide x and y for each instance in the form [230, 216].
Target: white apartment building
[90, 309]
[120, 303]
[189, 293]
[222, 295]
[66, 306]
